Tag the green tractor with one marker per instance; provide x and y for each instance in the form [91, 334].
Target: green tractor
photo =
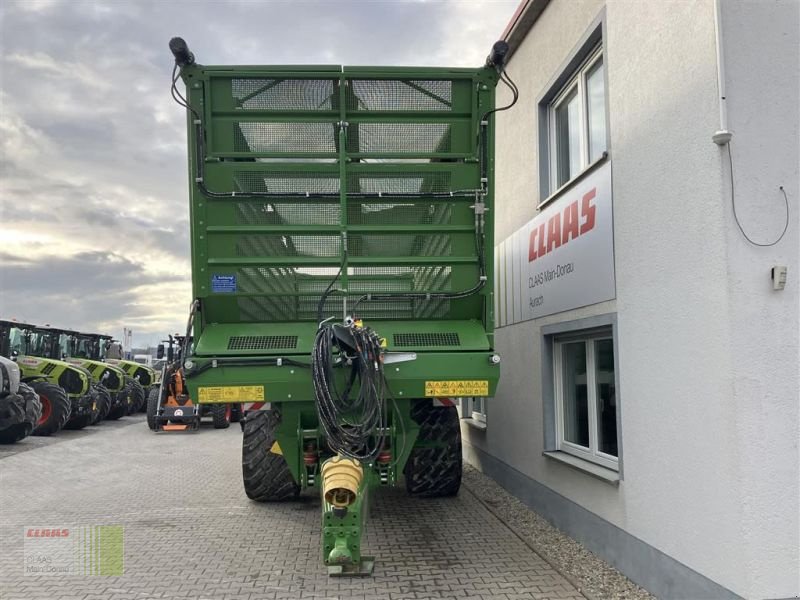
[108, 382]
[145, 376]
[133, 390]
[65, 391]
[342, 273]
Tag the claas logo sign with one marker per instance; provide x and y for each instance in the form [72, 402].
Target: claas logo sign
[574, 221]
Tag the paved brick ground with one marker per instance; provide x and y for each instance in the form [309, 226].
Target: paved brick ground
[190, 532]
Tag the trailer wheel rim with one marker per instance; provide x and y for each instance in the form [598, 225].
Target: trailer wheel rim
[227, 413]
[47, 408]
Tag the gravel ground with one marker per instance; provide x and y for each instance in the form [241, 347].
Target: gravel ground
[593, 577]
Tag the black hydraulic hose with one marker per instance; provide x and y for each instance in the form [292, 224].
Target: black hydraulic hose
[355, 425]
[329, 289]
[186, 340]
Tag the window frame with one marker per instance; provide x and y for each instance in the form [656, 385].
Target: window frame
[590, 453]
[469, 414]
[576, 80]
[478, 407]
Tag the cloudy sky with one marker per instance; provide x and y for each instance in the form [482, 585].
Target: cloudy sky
[93, 183]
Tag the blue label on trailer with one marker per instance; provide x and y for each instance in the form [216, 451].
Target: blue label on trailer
[223, 284]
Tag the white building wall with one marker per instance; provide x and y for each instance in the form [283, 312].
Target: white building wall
[516, 433]
[680, 443]
[762, 58]
[708, 353]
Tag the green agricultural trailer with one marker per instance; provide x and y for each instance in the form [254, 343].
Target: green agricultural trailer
[342, 272]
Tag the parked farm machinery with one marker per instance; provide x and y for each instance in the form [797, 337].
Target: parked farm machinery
[65, 390]
[138, 379]
[20, 408]
[109, 387]
[342, 272]
[169, 405]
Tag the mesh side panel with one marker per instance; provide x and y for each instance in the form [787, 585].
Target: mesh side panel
[255, 245]
[262, 342]
[410, 182]
[304, 308]
[384, 309]
[401, 95]
[361, 280]
[267, 280]
[407, 138]
[279, 182]
[425, 339]
[287, 213]
[284, 137]
[283, 94]
[295, 292]
[400, 213]
[400, 244]
[358, 286]
[263, 308]
[433, 278]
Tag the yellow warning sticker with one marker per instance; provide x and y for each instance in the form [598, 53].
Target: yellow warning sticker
[276, 448]
[232, 393]
[470, 387]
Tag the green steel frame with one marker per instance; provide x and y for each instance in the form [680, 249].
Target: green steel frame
[367, 181]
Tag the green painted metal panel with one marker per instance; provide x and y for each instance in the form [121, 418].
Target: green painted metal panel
[296, 339]
[292, 383]
[368, 169]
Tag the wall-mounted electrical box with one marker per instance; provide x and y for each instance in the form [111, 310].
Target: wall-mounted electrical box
[778, 277]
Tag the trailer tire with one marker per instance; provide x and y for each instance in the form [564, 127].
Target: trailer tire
[103, 398]
[221, 415]
[56, 408]
[266, 475]
[152, 409]
[433, 472]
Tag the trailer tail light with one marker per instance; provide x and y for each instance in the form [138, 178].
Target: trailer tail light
[444, 402]
[310, 457]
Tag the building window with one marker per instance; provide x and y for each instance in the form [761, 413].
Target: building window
[577, 122]
[473, 411]
[586, 400]
[479, 410]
